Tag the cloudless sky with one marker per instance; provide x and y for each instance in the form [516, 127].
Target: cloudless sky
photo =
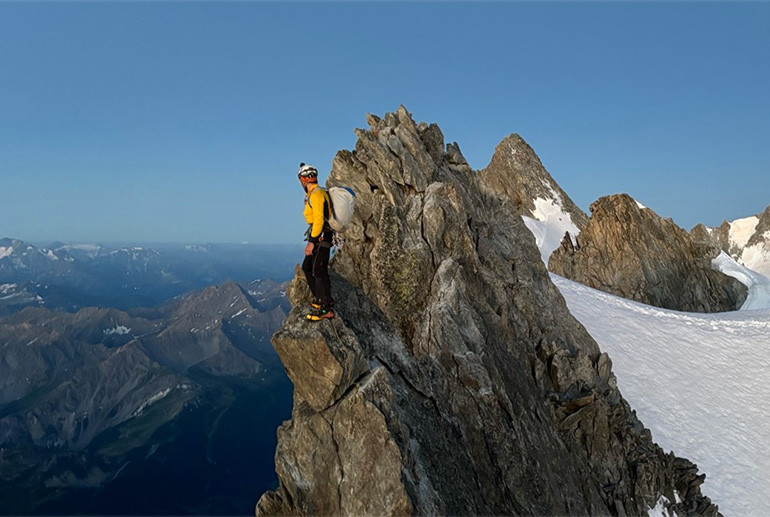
[186, 121]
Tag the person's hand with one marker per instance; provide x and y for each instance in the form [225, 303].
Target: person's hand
[309, 248]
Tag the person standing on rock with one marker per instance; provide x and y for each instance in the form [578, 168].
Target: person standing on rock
[319, 242]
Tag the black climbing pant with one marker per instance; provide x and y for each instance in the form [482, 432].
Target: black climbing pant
[316, 268]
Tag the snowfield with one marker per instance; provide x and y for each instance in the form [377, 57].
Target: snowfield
[699, 382]
[758, 284]
[741, 231]
[755, 257]
[549, 223]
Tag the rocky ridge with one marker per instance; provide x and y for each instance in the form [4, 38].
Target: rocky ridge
[454, 380]
[630, 251]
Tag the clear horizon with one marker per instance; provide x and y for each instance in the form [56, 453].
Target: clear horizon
[185, 122]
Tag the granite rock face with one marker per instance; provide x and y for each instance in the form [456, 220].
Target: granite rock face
[454, 380]
[632, 252]
[516, 172]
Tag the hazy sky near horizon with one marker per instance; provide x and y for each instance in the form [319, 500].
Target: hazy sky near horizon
[186, 121]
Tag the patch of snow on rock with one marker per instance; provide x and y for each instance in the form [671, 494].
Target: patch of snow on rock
[119, 330]
[549, 223]
[661, 509]
[4, 288]
[5, 251]
[152, 400]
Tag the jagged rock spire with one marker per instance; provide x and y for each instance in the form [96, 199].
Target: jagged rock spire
[516, 172]
[454, 379]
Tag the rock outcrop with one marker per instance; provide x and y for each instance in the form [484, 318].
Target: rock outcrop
[454, 380]
[630, 251]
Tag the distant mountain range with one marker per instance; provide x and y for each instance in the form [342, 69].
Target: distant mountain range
[169, 408]
[67, 276]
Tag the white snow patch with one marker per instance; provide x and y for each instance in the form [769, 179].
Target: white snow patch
[758, 284]
[641, 206]
[51, 255]
[152, 400]
[741, 231]
[119, 330]
[699, 382]
[4, 288]
[549, 223]
[5, 251]
[239, 313]
[757, 256]
[660, 508]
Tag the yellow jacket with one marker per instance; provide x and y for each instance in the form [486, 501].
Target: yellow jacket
[316, 210]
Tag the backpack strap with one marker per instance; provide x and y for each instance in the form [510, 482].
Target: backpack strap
[327, 215]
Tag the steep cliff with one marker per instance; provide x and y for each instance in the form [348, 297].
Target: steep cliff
[454, 379]
[630, 251]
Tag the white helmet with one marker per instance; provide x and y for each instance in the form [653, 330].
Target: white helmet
[307, 171]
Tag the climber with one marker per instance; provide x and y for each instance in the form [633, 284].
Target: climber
[319, 238]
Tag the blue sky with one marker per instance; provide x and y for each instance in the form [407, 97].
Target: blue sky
[185, 121]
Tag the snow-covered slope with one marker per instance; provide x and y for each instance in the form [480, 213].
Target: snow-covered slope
[747, 240]
[700, 382]
[757, 256]
[749, 244]
[758, 284]
[741, 231]
[549, 222]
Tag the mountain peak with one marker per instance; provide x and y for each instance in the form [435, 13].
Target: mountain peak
[516, 172]
[454, 379]
[224, 299]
